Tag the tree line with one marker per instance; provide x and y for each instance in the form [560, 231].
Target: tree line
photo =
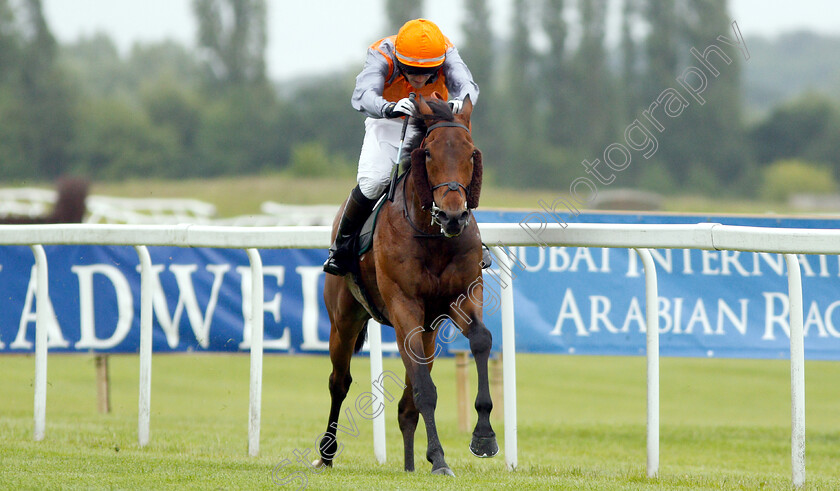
[554, 94]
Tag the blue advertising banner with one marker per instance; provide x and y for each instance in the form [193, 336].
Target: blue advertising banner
[570, 300]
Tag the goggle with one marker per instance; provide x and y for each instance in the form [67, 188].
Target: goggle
[418, 70]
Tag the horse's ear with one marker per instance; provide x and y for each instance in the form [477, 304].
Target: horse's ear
[421, 178]
[467, 107]
[474, 191]
[438, 96]
[422, 105]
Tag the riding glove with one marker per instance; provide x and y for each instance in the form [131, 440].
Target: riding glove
[402, 107]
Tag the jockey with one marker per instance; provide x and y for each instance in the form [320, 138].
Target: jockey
[420, 59]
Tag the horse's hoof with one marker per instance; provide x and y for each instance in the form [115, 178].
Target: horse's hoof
[318, 463]
[484, 447]
[443, 471]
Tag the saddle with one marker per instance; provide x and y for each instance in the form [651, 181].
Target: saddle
[364, 241]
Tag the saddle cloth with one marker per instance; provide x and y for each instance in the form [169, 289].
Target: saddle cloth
[365, 239]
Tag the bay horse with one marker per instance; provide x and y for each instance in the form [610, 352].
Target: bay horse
[426, 258]
[70, 205]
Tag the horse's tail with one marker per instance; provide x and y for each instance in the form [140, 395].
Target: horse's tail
[360, 340]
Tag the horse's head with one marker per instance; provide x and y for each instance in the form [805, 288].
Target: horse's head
[447, 167]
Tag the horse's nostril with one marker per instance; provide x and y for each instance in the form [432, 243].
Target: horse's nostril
[465, 215]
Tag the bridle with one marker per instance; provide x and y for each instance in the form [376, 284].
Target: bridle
[450, 185]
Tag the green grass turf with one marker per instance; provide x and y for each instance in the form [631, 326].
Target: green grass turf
[581, 425]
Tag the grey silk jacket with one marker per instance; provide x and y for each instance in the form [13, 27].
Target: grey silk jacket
[378, 72]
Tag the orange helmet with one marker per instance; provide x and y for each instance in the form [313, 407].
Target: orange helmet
[420, 44]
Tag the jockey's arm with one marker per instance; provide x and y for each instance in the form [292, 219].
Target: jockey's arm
[367, 96]
[459, 80]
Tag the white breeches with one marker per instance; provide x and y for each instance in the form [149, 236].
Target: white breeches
[379, 152]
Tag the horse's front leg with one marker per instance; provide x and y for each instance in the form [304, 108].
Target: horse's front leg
[408, 414]
[414, 345]
[483, 442]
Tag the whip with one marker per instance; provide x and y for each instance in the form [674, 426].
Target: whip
[396, 167]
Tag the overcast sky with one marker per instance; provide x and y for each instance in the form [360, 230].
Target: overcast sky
[304, 39]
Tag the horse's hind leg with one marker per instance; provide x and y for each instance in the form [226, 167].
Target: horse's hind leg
[340, 380]
[343, 336]
[408, 415]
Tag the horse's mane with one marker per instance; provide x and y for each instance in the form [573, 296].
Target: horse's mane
[441, 111]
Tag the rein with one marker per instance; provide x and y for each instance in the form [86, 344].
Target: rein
[420, 234]
[451, 186]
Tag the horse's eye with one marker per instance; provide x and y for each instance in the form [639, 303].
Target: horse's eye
[428, 154]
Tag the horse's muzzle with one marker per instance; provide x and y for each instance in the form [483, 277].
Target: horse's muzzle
[452, 223]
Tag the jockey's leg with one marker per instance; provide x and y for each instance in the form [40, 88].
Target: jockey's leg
[377, 156]
[355, 213]
[379, 150]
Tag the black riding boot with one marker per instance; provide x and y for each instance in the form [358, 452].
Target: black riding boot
[355, 213]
